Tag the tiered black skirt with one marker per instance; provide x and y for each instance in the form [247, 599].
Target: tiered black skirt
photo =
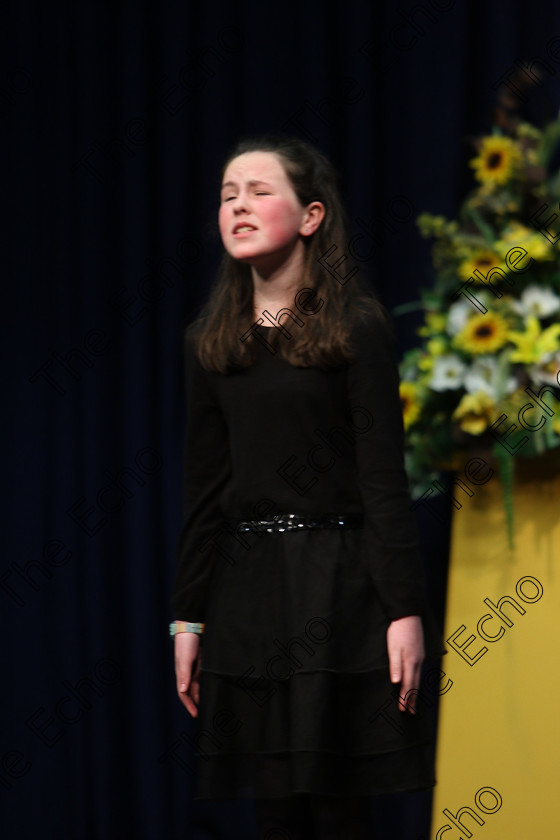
[295, 695]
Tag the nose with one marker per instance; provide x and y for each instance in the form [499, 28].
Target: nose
[240, 203]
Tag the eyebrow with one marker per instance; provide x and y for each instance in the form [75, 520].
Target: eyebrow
[252, 183]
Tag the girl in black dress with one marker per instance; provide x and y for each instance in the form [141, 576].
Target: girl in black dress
[299, 597]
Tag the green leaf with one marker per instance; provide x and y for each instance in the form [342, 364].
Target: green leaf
[550, 139]
[483, 226]
[405, 308]
[504, 371]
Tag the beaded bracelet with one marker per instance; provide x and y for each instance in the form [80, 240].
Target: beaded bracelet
[186, 627]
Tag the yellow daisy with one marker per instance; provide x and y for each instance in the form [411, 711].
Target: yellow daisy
[409, 402]
[515, 232]
[435, 323]
[535, 342]
[436, 347]
[525, 129]
[498, 160]
[481, 260]
[426, 363]
[484, 333]
[537, 246]
[475, 412]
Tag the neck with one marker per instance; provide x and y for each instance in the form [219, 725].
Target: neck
[275, 288]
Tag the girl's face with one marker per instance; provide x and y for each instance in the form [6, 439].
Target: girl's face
[261, 219]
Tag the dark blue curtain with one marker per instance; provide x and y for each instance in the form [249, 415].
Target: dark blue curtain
[118, 117]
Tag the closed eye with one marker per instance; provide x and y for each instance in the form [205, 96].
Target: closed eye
[230, 197]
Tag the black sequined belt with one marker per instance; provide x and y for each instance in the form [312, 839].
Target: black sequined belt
[295, 522]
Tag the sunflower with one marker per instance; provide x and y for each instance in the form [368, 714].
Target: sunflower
[484, 333]
[498, 160]
[474, 412]
[482, 261]
[409, 402]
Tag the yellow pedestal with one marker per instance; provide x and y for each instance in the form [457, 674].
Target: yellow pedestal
[499, 722]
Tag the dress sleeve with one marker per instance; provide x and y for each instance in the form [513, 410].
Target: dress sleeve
[206, 468]
[392, 550]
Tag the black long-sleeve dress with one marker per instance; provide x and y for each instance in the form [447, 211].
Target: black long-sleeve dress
[295, 690]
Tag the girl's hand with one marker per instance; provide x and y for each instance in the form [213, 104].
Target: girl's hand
[405, 646]
[187, 670]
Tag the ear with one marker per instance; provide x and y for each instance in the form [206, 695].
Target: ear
[313, 216]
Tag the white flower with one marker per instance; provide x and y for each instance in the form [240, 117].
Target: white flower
[484, 375]
[547, 371]
[458, 315]
[536, 300]
[447, 373]
[460, 311]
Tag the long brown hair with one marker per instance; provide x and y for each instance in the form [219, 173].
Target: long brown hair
[324, 341]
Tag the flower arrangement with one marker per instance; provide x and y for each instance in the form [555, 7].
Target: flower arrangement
[492, 321]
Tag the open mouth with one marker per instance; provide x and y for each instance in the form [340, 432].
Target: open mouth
[243, 230]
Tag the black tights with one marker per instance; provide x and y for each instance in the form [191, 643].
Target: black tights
[312, 817]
